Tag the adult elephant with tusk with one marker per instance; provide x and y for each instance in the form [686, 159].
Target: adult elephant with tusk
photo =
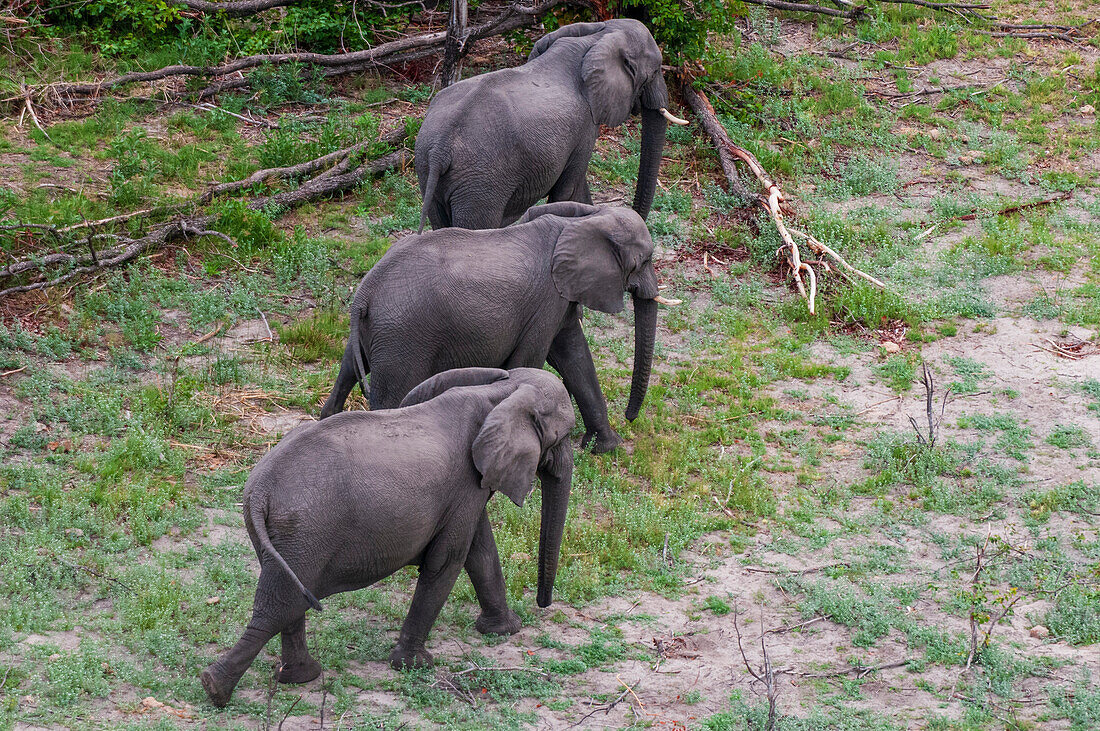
[493, 145]
[504, 298]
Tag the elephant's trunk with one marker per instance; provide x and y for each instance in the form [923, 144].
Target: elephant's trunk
[645, 333]
[653, 143]
[555, 505]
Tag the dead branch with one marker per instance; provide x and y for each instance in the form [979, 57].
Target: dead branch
[234, 8]
[345, 175]
[765, 675]
[703, 110]
[385, 54]
[929, 389]
[773, 201]
[940, 6]
[292, 172]
[455, 47]
[509, 669]
[861, 670]
[854, 12]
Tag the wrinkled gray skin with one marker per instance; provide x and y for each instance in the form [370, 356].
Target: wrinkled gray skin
[493, 145]
[340, 504]
[504, 298]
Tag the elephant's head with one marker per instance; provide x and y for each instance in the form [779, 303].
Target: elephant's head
[602, 252]
[526, 433]
[620, 74]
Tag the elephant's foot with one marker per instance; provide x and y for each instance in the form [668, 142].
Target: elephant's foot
[216, 686]
[299, 672]
[498, 624]
[606, 441]
[402, 658]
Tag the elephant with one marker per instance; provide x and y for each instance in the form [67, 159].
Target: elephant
[493, 145]
[505, 298]
[342, 503]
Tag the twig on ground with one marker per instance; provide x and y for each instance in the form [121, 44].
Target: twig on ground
[287, 714]
[929, 388]
[506, 669]
[791, 628]
[862, 670]
[34, 118]
[270, 335]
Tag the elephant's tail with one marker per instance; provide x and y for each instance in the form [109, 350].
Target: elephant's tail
[362, 368]
[259, 526]
[435, 169]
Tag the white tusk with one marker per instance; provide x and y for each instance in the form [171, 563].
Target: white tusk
[662, 301]
[667, 115]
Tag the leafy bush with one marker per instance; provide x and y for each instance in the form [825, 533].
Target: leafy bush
[680, 29]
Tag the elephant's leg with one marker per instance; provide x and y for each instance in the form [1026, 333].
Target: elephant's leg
[573, 183]
[571, 187]
[345, 381]
[483, 566]
[220, 678]
[480, 214]
[298, 666]
[441, 565]
[569, 355]
[278, 605]
[390, 384]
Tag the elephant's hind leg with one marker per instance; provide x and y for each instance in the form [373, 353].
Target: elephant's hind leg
[345, 381]
[483, 566]
[278, 605]
[221, 677]
[440, 566]
[298, 665]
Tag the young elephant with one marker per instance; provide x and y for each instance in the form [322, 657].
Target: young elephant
[340, 504]
[504, 298]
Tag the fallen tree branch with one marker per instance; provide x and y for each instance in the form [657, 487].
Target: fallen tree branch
[291, 172]
[403, 49]
[234, 8]
[773, 201]
[345, 175]
[939, 5]
[706, 115]
[853, 13]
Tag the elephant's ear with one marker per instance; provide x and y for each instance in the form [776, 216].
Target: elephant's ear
[586, 268]
[608, 78]
[441, 382]
[507, 449]
[565, 209]
[574, 30]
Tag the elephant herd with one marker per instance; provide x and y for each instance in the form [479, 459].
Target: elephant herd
[454, 327]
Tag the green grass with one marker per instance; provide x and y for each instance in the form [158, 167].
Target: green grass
[129, 440]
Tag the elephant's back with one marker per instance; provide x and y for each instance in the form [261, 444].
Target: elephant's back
[334, 502]
[461, 285]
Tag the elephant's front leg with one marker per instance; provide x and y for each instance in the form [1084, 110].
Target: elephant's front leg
[570, 356]
[442, 562]
[483, 566]
[298, 666]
